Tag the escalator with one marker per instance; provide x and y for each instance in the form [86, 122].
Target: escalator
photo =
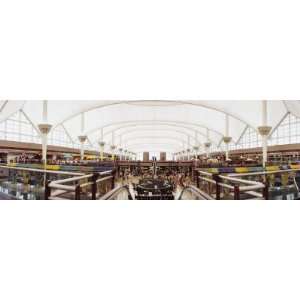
[118, 193]
[191, 192]
[188, 193]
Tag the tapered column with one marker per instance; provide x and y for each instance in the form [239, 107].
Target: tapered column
[44, 129]
[227, 139]
[101, 145]
[264, 131]
[112, 148]
[196, 149]
[207, 149]
[82, 138]
[207, 144]
[189, 148]
[188, 151]
[121, 153]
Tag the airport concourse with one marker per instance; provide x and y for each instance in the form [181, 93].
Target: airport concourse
[149, 150]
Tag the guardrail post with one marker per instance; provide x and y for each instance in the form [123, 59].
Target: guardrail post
[193, 172]
[77, 191]
[47, 190]
[197, 179]
[113, 173]
[218, 187]
[236, 192]
[94, 186]
[266, 190]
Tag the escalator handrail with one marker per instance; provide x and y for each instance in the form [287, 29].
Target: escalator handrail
[113, 192]
[195, 190]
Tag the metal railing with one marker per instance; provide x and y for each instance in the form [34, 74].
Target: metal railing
[267, 175]
[225, 186]
[193, 194]
[79, 185]
[27, 182]
[4, 166]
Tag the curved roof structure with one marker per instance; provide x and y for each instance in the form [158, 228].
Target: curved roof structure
[159, 124]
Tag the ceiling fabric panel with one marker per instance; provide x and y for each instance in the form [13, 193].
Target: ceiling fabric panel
[293, 107]
[8, 108]
[132, 118]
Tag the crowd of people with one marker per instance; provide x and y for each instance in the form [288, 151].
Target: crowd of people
[176, 179]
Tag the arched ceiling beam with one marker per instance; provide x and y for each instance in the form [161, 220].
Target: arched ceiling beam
[3, 105]
[140, 146]
[132, 122]
[156, 124]
[178, 131]
[181, 141]
[177, 102]
[156, 129]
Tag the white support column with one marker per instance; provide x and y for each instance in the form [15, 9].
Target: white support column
[82, 138]
[183, 151]
[101, 145]
[120, 149]
[121, 153]
[188, 150]
[113, 146]
[264, 116]
[264, 131]
[44, 137]
[264, 149]
[207, 144]
[19, 124]
[227, 139]
[264, 136]
[227, 134]
[44, 128]
[45, 111]
[101, 134]
[196, 149]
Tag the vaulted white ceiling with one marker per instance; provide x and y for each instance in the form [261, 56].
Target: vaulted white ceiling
[161, 124]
